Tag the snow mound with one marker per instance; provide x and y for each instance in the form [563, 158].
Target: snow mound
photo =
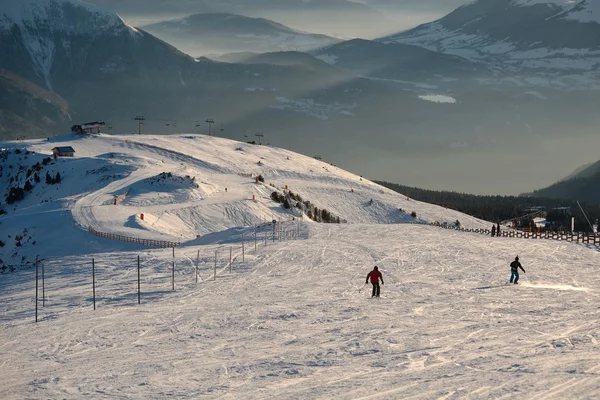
[162, 189]
[165, 223]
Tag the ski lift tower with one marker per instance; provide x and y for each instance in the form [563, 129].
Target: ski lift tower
[259, 135]
[140, 119]
[209, 121]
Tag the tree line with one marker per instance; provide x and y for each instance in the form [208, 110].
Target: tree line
[503, 208]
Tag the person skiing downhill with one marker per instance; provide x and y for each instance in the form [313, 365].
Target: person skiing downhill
[375, 276]
[514, 268]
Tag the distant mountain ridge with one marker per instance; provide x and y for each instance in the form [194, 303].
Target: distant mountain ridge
[219, 33]
[25, 106]
[343, 18]
[397, 61]
[582, 184]
[517, 35]
[283, 58]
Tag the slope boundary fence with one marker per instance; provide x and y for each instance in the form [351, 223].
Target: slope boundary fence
[129, 278]
[577, 237]
[129, 239]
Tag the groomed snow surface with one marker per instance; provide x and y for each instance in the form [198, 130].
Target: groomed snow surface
[292, 321]
[293, 318]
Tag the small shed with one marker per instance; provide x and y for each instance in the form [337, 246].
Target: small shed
[66, 151]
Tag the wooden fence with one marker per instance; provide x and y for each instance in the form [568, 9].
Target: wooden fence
[578, 237]
[143, 242]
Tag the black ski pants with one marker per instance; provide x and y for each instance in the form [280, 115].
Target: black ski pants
[375, 289]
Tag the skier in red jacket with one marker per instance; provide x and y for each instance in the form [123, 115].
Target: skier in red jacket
[375, 276]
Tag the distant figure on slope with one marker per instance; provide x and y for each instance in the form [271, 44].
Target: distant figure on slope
[375, 276]
[493, 230]
[498, 230]
[514, 268]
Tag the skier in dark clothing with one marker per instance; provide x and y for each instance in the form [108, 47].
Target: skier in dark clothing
[514, 268]
[498, 230]
[375, 276]
[493, 230]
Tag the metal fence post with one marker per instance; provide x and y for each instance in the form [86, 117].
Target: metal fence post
[36, 289]
[230, 260]
[43, 286]
[139, 294]
[197, 264]
[255, 238]
[94, 282]
[215, 265]
[243, 251]
[173, 275]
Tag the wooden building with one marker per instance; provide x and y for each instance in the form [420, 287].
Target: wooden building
[66, 151]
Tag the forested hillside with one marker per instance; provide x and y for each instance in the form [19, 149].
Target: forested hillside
[584, 186]
[502, 208]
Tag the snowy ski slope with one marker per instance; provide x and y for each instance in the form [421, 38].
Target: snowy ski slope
[179, 209]
[292, 322]
[293, 319]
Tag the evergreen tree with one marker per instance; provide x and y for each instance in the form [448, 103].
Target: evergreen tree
[57, 178]
[15, 194]
[48, 179]
[28, 186]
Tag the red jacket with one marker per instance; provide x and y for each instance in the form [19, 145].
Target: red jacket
[375, 276]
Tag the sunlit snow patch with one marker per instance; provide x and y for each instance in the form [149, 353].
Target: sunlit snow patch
[438, 98]
[164, 223]
[553, 286]
[328, 58]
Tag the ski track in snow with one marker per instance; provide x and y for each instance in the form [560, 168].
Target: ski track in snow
[294, 319]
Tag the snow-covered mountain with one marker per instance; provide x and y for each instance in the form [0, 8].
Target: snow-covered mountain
[517, 35]
[49, 41]
[202, 34]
